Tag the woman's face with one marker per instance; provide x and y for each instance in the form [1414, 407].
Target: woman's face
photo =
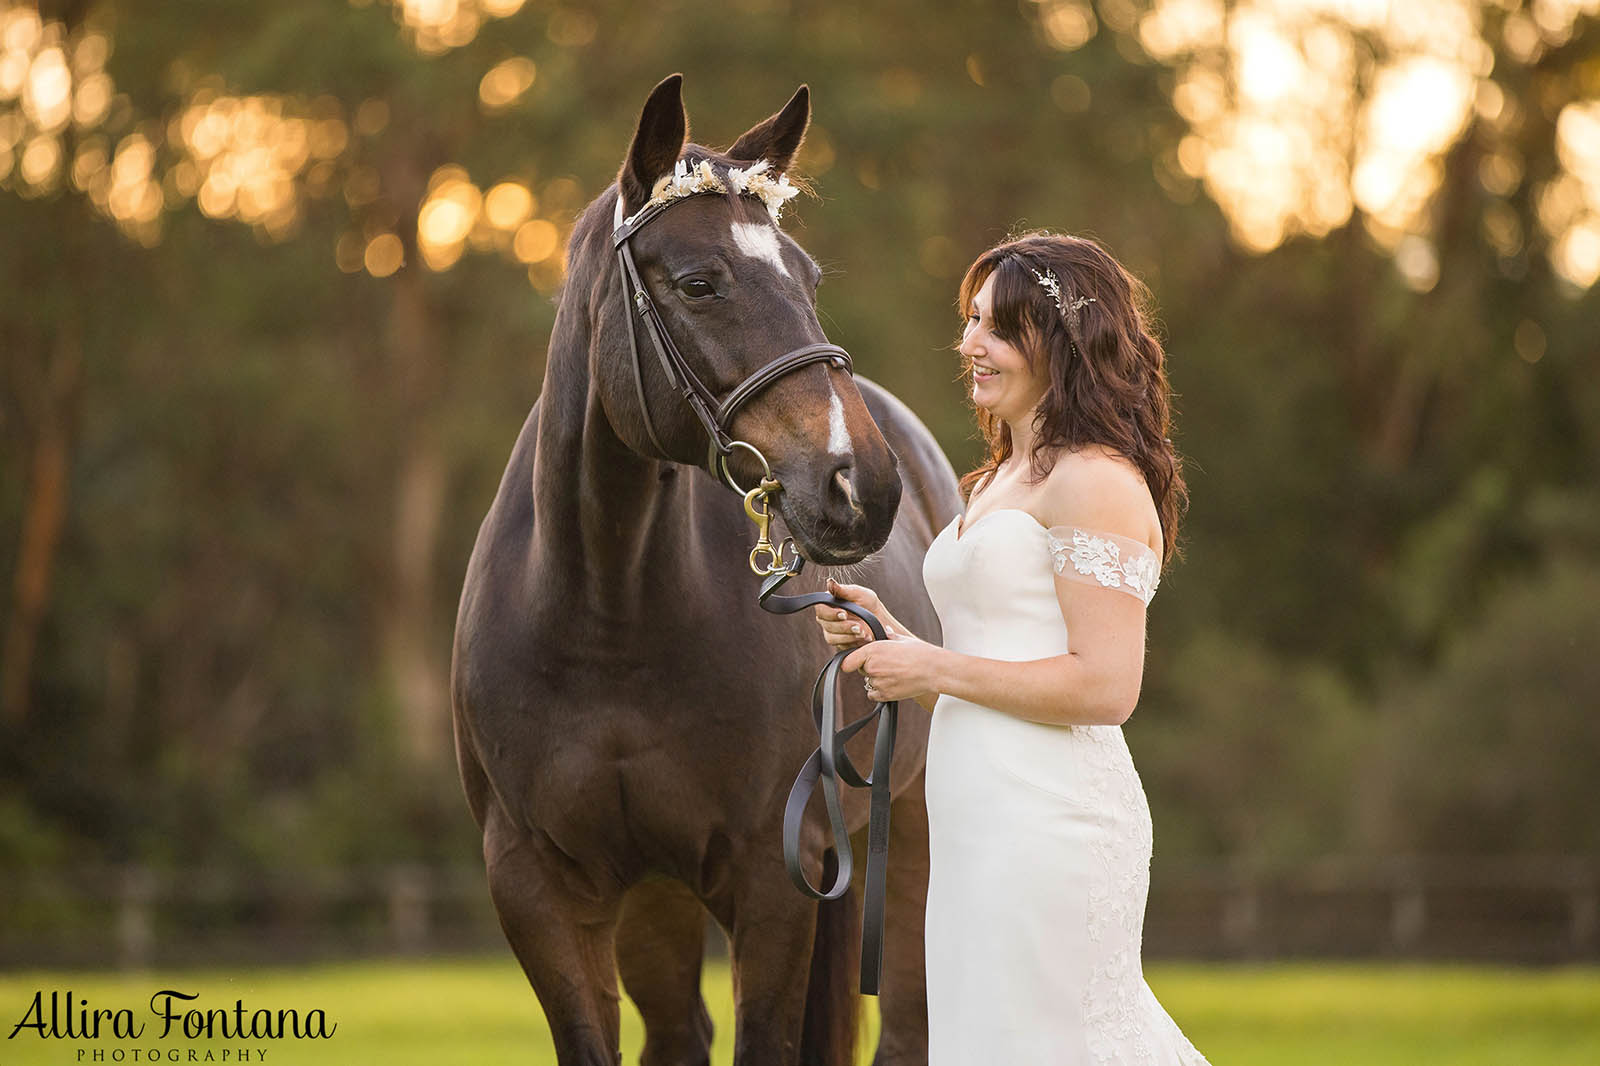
[1002, 382]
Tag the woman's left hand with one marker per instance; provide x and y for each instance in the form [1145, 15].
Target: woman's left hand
[900, 668]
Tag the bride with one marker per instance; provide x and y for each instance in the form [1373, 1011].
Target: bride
[1039, 835]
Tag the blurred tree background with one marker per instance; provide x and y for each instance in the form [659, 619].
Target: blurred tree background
[276, 280]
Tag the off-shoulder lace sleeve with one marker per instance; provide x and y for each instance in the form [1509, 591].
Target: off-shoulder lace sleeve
[1106, 559]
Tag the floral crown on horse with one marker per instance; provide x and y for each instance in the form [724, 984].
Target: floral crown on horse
[689, 179]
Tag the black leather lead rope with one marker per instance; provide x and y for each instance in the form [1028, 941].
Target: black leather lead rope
[830, 762]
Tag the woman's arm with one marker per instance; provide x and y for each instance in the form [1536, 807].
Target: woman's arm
[1097, 683]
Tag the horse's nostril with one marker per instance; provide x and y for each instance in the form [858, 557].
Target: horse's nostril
[844, 484]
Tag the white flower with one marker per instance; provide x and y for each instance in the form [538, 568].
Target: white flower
[739, 177]
[754, 180]
[1100, 558]
[1142, 574]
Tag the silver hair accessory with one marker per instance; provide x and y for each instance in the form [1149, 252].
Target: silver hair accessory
[1069, 308]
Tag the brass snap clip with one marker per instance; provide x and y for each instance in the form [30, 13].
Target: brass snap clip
[757, 507]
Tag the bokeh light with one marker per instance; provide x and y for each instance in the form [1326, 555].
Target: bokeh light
[536, 241]
[505, 82]
[437, 26]
[1067, 24]
[447, 217]
[384, 255]
[1302, 115]
[1574, 199]
[49, 80]
[245, 154]
[1303, 112]
[508, 205]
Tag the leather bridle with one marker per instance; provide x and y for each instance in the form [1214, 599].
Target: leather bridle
[715, 415]
[829, 762]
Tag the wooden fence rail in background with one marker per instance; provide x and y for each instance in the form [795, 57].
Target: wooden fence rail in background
[1528, 909]
[1524, 909]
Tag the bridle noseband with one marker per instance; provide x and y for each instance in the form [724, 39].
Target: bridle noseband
[716, 416]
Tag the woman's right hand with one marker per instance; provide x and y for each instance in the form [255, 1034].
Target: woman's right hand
[840, 628]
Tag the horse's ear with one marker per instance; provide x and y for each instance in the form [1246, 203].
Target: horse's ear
[657, 143]
[778, 138]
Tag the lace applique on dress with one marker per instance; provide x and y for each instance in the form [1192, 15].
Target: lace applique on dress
[1112, 561]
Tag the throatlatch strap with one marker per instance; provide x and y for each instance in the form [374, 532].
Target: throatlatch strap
[827, 764]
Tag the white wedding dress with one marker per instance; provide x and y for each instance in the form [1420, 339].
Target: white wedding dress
[1039, 835]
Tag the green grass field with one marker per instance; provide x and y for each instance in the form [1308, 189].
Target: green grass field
[463, 1013]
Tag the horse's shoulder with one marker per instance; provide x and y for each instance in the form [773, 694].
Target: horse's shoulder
[921, 457]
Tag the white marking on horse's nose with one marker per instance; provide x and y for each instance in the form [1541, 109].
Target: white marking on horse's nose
[838, 435]
[759, 241]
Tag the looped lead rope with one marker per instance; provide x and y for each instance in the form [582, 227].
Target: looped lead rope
[827, 764]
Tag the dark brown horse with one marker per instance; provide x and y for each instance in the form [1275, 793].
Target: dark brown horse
[628, 720]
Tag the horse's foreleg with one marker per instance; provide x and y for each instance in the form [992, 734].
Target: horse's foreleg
[660, 945]
[561, 927]
[903, 995]
[773, 931]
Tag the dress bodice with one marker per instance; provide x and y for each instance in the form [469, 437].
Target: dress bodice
[993, 585]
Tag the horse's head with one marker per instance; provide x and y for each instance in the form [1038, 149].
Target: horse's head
[734, 292]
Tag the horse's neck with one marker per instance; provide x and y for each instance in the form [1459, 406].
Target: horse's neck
[599, 505]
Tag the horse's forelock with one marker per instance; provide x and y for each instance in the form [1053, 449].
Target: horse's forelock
[589, 246]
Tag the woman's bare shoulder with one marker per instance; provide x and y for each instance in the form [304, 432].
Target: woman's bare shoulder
[1096, 488]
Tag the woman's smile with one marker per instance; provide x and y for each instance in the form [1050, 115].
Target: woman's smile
[1003, 383]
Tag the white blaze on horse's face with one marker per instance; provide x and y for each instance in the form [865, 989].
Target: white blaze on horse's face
[839, 448]
[759, 241]
[838, 435]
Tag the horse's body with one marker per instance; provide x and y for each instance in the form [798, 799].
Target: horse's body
[628, 720]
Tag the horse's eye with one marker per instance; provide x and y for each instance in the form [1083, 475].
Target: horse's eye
[696, 288]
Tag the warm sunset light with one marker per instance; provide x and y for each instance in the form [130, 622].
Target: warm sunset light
[1301, 114]
[447, 217]
[536, 241]
[1067, 24]
[505, 82]
[248, 152]
[436, 26]
[1577, 251]
[384, 255]
[508, 204]
[1285, 145]
[382, 650]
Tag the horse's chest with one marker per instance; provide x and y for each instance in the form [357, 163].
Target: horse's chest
[631, 798]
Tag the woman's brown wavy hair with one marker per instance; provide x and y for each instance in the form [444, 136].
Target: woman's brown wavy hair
[1113, 392]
